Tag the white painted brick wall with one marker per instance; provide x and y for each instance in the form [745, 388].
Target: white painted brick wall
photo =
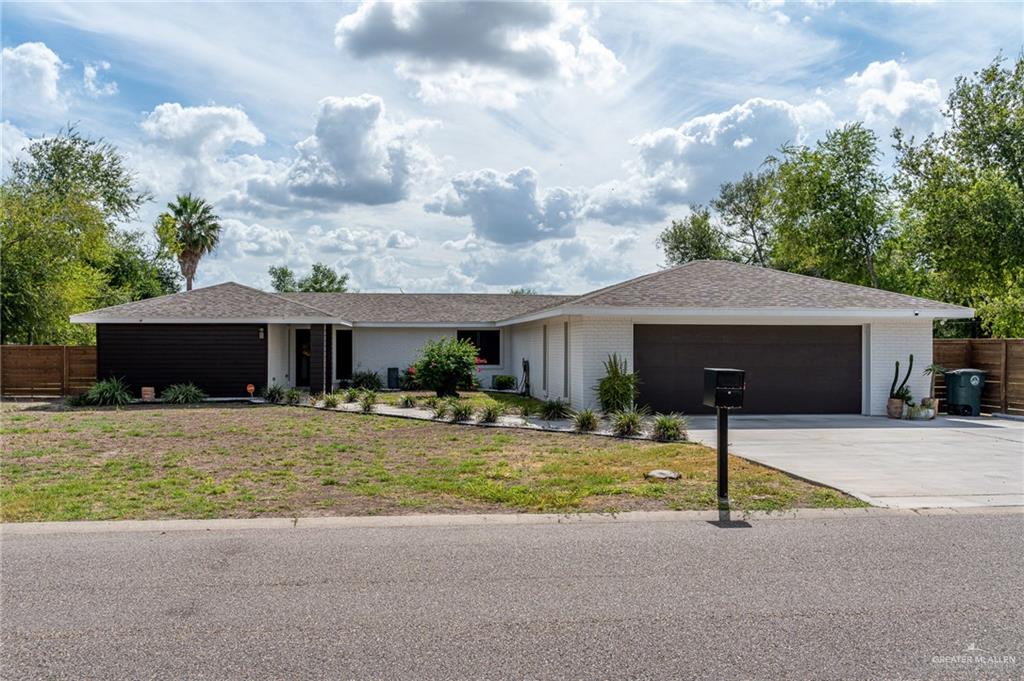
[591, 340]
[896, 340]
[378, 349]
[278, 360]
[527, 344]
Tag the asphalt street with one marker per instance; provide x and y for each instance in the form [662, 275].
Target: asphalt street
[871, 597]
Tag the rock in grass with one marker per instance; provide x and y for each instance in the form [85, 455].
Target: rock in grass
[662, 474]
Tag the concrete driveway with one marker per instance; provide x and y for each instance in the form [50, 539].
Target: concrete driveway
[949, 462]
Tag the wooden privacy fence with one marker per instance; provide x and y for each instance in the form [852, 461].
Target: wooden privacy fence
[1002, 358]
[46, 370]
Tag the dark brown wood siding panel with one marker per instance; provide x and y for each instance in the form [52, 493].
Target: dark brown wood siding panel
[219, 358]
[789, 369]
[321, 376]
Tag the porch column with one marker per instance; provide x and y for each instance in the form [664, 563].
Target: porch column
[321, 370]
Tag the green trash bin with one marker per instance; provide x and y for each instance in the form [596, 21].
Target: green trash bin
[963, 391]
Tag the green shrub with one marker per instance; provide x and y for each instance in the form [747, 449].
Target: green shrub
[273, 393]
[629, 421]
[367, 400]
[440, 409]
[352, 394]
[316, 398]
[489, 413]
[526, 410]
[585, 420]
[110, 391]
[331, 400]
[407, 402]
[182, 393]
[445, 364]
[367, 380]
[668, 427]
[551, 410]
[461, 411]
[293, 396]
[501, 382]
[617, 390]
[76, 401]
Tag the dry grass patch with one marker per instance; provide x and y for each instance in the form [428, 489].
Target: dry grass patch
[245, 461]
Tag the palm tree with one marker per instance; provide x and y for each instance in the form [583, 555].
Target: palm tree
[190, 230]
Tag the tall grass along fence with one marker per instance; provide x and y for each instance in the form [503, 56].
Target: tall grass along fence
[1002, 358]
[46, 370]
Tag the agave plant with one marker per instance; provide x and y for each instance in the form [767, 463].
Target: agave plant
[183, 393]
[585, 420]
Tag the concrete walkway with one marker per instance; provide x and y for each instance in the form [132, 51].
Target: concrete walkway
[950, 462]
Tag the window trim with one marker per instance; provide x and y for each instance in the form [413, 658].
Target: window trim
[501, 343]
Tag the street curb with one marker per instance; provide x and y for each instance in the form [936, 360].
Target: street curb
[473, 520]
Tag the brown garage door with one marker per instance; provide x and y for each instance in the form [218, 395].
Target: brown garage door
[790, 369]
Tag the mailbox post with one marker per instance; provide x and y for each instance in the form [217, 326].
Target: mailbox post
[723, 390]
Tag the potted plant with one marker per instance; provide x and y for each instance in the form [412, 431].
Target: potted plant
[930, 403]
[899, 396]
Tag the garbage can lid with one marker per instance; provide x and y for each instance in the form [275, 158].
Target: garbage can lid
[968, 372]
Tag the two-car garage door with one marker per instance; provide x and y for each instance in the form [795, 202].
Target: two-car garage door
[789, 369]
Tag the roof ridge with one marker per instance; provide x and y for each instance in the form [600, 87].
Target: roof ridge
[279, 296]
[428, 293]
[642, 277]
[819, 280]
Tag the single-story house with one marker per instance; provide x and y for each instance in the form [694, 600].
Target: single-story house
[808, 345]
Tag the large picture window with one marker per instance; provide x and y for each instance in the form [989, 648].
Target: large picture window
[487, 342]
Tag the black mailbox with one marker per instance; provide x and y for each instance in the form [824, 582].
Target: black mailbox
[723, 388]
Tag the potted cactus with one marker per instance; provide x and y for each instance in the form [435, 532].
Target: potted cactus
[899, 396]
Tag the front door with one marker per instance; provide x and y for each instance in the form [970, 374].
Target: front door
[303, 350]
[343, 358]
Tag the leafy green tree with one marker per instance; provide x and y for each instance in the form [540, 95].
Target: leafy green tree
[283, 279]
[522, 291]
[694, 237]
[744, 208]
[61, 250]
[137, 271]
[321, 279]
[833, 209]
[74, 167]
[963, 198]
[189, 230]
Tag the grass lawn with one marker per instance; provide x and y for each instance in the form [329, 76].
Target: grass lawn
[246, 460]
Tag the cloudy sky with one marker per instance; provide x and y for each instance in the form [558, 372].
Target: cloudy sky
[472, 147]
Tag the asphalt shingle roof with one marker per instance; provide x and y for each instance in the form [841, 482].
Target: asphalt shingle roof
[427, 307]
[723, 284]
[702, 284]
[221, 301]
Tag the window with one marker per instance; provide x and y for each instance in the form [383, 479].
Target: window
[487, 342]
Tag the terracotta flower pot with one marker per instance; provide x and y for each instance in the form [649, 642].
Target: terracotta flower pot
[894, 408]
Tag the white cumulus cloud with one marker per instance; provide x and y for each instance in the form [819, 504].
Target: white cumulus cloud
[241, 240]
[356, 154]
[31, 78]
[482, 52]
[200, 131]
[92, 83]
[508, 208]
[687, 164]
[886, 94]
